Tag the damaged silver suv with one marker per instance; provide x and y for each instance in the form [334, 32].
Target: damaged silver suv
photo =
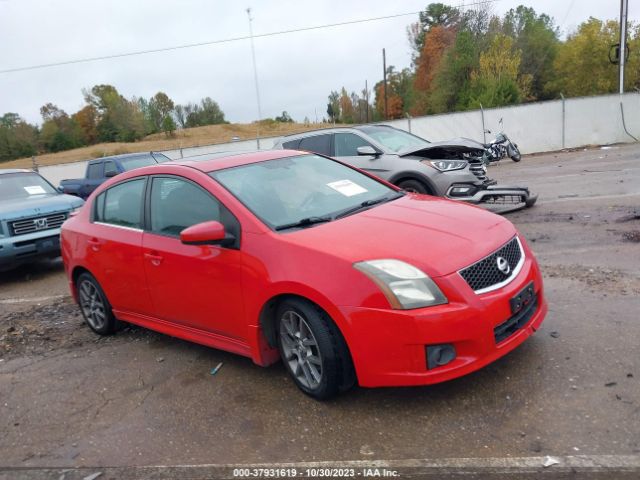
[454, 169]
[391, 154]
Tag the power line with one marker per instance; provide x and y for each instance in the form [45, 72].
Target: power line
[217, 42]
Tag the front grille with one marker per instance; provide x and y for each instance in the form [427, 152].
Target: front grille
[36, 224]
[516, 322]
[485, 274]
[476, 166]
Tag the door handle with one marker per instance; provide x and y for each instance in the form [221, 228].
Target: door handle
[154, 258]
[94, 243]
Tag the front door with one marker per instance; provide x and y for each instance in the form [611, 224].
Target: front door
[346, 149]
[198, 286]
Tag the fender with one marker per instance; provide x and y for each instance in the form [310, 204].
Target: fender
[261, 335]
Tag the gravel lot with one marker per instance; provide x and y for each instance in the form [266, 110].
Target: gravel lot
[70, 399]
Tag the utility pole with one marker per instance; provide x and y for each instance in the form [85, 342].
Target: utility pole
[255, 77]
[624, 8]
[366, 99]
[384, 67]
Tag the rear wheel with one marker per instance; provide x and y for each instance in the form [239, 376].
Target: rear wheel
[313, 350]
[414, 186]
[94, 305]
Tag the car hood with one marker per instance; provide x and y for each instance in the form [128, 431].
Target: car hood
[37, 205]
[436, 235]
[454, 145]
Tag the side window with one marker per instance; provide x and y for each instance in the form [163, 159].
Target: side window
[317, 144]
[292, 145]
[110, 168]
[122, 204]
[346, 144]
[95, 171]
[177, 204]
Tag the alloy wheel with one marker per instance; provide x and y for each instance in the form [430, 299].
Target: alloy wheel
[92, 305]
[300, 349]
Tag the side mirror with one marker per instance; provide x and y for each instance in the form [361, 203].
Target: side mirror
[110, 173]
[60, 188]
[367, 150]
[206, 233]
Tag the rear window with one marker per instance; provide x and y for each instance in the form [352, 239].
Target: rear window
[121, 204]
[95, 171]
[292, 145]
[317, 144]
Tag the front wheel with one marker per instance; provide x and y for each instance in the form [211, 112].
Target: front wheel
[94, 305]
[414, 186]
[514, 152]
[313, 350]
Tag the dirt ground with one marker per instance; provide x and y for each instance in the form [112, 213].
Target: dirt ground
[70, 399]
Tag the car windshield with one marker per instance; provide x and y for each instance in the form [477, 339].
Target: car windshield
[138, 162]
[24, 185]
[301, 191]
[394, 139]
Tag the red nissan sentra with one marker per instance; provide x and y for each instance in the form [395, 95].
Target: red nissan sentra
[284, 254]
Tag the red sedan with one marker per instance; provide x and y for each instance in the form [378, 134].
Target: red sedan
[283, 254]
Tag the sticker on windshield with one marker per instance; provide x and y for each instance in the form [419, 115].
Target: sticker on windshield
[34, 190]
[347, 188]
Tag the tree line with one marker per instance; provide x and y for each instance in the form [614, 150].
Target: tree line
[464, 59]
[107, 116]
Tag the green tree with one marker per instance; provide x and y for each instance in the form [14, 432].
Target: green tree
[159, 107]
[59, 131]
[451, 83]
[536, 36]
[495, 83]
[333, 107]
[17, 137]
[582, 65]
[118, 119]
[284, 118]
[168, 126]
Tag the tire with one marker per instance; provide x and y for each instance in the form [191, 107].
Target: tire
[94, 305]
[414, 186]
[514, 153]
[313, 350]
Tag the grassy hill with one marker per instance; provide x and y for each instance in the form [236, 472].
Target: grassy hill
[189, 137]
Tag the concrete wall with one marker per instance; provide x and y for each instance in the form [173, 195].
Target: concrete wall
[535, 127]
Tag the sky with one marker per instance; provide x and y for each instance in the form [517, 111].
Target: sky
[296, 71]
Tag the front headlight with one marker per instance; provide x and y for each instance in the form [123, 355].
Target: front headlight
[404, 285]
[448, 165]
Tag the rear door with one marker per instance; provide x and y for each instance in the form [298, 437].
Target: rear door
[114, 246]
[198, 286]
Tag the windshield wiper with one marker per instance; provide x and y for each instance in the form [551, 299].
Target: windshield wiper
[367, 204]
[305, 222]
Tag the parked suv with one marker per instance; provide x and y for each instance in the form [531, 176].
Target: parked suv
[31, 213]
[393, 155]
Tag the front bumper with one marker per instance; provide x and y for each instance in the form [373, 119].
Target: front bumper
[388, 347]
[22, 249]
[494, 194]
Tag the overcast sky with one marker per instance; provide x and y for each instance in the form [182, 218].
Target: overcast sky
[296, 71]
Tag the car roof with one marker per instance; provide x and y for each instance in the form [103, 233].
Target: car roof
[321, 131]
[222, 160]
[15, 170]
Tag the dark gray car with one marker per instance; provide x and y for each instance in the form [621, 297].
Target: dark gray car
[394, 155]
